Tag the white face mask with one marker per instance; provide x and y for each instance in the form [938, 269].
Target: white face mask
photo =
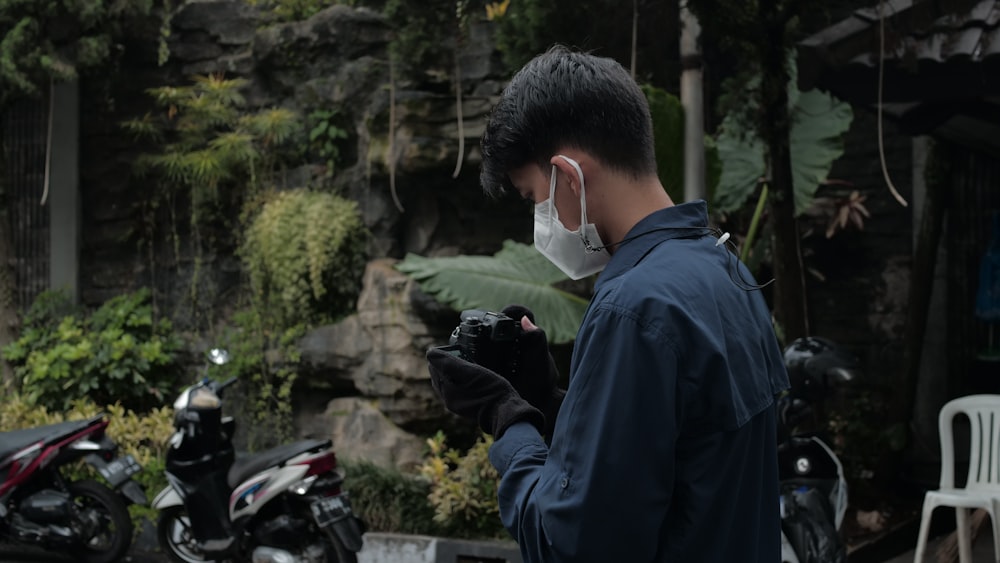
[578, 253]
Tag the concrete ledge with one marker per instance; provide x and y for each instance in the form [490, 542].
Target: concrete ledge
[382, 547]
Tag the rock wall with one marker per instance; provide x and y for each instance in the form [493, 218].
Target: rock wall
[379, 350]
[336, 59]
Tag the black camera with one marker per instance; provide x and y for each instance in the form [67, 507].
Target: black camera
[486, 338]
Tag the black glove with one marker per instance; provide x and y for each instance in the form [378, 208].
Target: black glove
[475, 392]
[535, 375]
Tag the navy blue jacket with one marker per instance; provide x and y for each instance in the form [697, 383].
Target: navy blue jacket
[664, 449]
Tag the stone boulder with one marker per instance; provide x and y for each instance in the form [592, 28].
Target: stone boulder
[361, 432]
[380, 349]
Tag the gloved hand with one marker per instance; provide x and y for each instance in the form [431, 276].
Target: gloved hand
[475, 392]
[535, 376]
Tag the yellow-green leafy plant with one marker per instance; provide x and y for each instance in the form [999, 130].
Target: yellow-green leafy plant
[464, 488]
[143, 435]
[305, 255]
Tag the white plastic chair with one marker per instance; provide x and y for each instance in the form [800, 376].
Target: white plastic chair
[982, 488]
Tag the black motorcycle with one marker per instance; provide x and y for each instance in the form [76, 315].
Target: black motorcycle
[42, 506]
[813, 486]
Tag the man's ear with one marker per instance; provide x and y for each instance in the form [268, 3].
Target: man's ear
[567, 170]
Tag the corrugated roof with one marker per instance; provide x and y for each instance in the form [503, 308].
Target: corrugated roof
[941, 62]
[917, 34]
[968, 37]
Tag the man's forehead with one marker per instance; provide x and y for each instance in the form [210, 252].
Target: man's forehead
[526, 173]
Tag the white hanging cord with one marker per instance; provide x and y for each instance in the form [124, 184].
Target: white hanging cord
[48, 145]
[460, 117]
[881, 76]
[392, 133]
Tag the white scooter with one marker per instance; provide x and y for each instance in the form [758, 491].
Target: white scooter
[283, 505]
[813, 487]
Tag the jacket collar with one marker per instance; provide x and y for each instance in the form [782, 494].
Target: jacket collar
[678, 221]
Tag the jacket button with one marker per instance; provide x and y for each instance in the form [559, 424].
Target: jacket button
[564, 483]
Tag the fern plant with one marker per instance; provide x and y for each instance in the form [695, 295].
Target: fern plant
[207, 137]
[305, 254]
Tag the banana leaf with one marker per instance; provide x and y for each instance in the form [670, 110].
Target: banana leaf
[516, 274]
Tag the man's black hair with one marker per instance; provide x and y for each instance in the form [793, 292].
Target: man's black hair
[563, 98]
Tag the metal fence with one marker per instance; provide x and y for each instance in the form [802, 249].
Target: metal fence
[24, 127]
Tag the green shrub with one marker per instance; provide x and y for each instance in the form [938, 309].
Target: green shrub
[455, 494]
[389, 500]
[120, 353]
[305, 254]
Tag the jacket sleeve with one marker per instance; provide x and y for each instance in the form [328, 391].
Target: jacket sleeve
[602, 491]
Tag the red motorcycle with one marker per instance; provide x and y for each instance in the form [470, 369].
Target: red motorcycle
[42, 506]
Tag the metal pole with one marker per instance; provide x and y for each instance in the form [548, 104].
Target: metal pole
[692, 99]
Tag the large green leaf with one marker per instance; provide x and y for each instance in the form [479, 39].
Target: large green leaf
[742, 157]
[819, 122]
[516, 274]
[817, 138]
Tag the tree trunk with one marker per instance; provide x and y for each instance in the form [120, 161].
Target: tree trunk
[8, 311]
[774, 129]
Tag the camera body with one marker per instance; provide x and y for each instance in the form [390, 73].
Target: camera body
[486, 338]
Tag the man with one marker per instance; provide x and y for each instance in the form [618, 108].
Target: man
[664, 446]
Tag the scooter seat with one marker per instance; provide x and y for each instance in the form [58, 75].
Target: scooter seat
[11, 442]
[246, 467]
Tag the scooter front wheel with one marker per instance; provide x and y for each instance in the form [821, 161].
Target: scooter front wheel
[176, 537]
[337, 553]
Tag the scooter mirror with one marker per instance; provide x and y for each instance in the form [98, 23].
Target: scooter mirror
[218, 356]
[840, 375]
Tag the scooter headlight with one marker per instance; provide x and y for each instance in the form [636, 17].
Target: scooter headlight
[803, 466]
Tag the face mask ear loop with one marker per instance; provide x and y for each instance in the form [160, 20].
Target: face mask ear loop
[553, 212]
[583, 203]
